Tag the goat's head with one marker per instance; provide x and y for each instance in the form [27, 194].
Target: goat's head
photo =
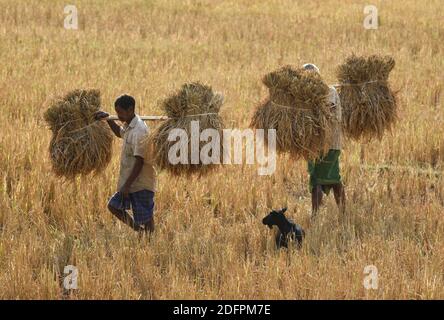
[274, 217]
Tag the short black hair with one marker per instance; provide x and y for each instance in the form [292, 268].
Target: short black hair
[125, 102]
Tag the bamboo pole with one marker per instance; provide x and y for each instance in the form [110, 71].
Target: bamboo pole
[144, 118]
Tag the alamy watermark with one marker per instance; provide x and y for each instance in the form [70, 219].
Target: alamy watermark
[371, 18]
[72, 275]
[371, 277]
[232, 141]
[71, 21]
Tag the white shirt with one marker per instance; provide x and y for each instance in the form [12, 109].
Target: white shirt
[135, 143]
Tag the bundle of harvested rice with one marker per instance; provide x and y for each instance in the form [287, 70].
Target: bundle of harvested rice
[193, 102]
[79, 145]
[298, 109]
[369, 106]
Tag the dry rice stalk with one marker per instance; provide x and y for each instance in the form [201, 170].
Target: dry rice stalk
[193, 102]
[369, 106]
[298, 109]
[79, 145]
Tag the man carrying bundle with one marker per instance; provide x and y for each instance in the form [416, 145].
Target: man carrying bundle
[324, 171]
[137, 179]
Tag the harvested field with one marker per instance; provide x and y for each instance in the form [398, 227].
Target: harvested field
[209, 240]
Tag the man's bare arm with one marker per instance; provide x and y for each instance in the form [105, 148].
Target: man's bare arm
[102, 115]
[114, 127]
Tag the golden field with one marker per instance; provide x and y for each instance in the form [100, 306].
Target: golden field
[209, 241]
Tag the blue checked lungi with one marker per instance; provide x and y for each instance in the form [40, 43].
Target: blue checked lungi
[140, 202]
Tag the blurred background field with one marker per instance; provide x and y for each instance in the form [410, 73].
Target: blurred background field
[209, 241]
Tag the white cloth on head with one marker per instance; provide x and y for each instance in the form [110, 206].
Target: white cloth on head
[311, 66]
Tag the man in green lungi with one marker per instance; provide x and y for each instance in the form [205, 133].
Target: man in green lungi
[324, 171]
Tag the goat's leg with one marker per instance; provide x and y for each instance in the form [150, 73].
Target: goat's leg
[280, 241]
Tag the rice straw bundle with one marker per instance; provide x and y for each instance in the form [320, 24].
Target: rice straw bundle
[79, 145]
[193, 102]
[369, 106]
[298, 108]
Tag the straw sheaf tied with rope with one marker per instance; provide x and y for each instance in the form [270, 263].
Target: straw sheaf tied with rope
[79, 144]
[297, 107]
[369, 105]
[193, 102]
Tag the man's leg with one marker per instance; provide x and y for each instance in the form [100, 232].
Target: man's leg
[339, 193]
[316, 199]
[149, 226]
[146, 229]
[123, 216]
[115, 206]
[142, 203]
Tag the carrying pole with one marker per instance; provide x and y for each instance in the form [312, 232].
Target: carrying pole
[144, 118]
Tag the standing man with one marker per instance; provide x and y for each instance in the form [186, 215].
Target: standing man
[137, 177]
[324, 171]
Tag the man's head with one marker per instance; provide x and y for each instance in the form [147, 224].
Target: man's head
[311, 67]
[125, 106]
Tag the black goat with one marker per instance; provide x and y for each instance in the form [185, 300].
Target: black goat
[288, 230]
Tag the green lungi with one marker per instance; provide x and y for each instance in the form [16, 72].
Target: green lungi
[324, 171]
